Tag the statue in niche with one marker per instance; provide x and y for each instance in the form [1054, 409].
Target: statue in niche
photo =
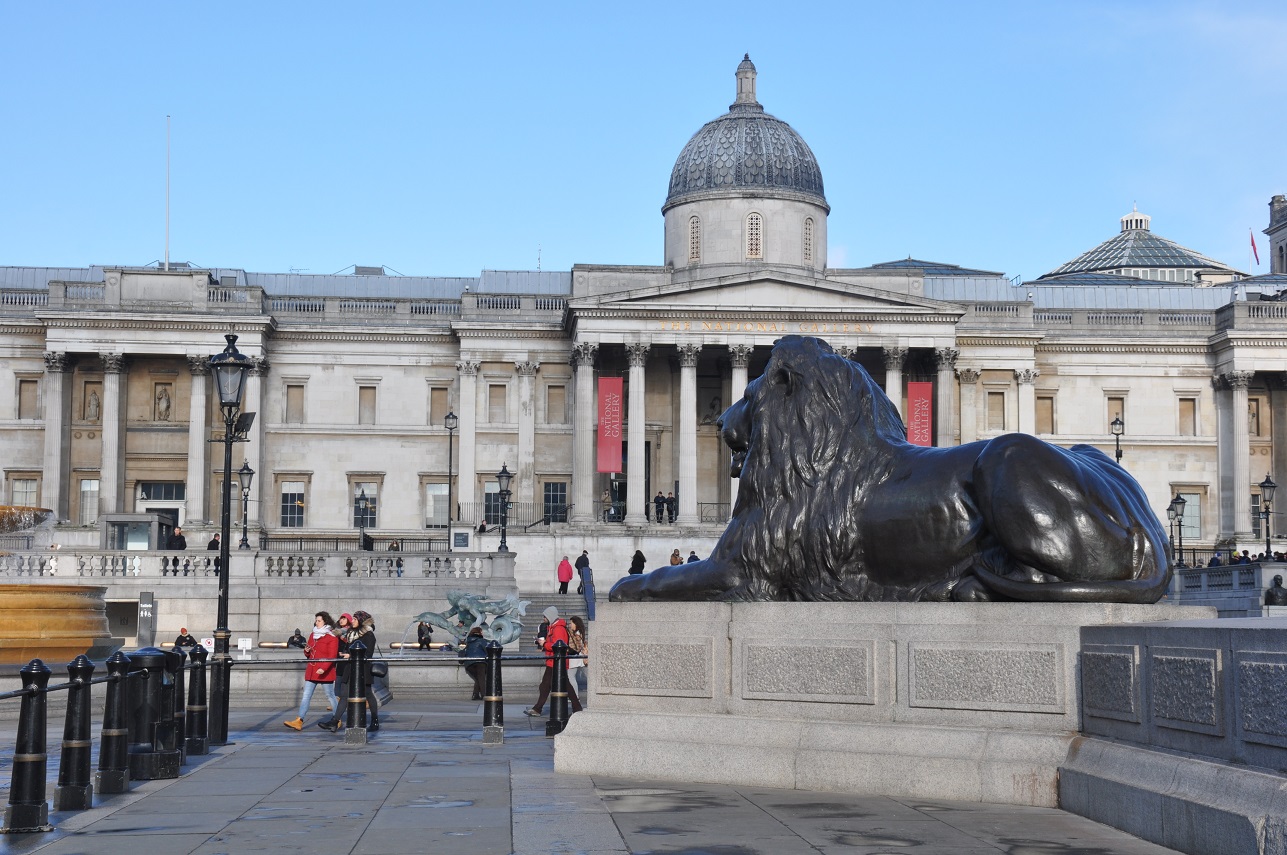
[1276, 594]
[162, 404]
[93, 407]
[711, 415]
[836, 504]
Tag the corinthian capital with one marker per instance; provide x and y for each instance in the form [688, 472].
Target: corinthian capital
[688, 354]
[740, 354]
[468, 368]
[946, 357]
[583, 354]
[969, 376]
[258, 366]
[637, 354]
[1026, 376]
[894, 357]
[1237, 379]
[527, 369]
[113, 363]
[198, 364]
[55, 362]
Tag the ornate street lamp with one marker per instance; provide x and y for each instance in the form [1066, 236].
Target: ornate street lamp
[362, 504]
[1177, 504]
[450, 422]
[229, 369]
[1117, 427]
[245, 475]
[1267, 488]
[503, 479]
[1170, 521]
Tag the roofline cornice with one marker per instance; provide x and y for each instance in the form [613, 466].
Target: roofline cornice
[644, 313]
[1123, 347]
[185, 323]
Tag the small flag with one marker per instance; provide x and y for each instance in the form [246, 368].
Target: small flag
[1254, 251]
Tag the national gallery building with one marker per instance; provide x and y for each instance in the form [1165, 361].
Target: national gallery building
[600, 387]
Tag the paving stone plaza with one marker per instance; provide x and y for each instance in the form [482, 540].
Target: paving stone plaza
[426, 784]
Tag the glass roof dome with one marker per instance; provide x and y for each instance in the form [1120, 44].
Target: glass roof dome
[746, 149]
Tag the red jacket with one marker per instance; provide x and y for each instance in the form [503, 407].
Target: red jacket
[565, 571]
[558, 631]
[326, 647]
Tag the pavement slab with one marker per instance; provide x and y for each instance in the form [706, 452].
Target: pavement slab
[425, 783]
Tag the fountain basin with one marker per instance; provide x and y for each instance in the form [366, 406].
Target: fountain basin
[55, 623]
[19, 517]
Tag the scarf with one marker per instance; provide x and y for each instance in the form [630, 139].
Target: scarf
[319, 631]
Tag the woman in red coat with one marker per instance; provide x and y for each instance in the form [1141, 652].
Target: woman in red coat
[565, 574]
[322, 648]
[558, 631]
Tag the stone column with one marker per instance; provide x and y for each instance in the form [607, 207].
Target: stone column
[198, 436]
[969, 404]
[54, 482]
[945, 357]
[467, 466]
[636, 489]
[688, 354]
[1240, 446]
[525, 475]
[111, 477]
[253, 402]
[740, 355]
[894, 357]
[583, 498]
[1027, 378]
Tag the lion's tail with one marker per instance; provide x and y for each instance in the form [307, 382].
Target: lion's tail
[1148, 589]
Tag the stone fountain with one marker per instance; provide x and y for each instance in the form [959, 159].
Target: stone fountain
[46, 620]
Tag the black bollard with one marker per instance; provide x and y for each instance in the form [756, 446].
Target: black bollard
[114, 745]
[198, 742]
[493, 701]
[558, 691]
[28, 810]
[75, 791]
[152, 752]
[355, 725]
[174, 659]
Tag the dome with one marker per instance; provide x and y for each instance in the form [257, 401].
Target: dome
[743, 150]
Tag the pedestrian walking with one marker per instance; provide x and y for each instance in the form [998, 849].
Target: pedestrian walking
[638, 563]
[565, 574]
[558, 631]
[475, 649]
[364, 631]
[320, 651]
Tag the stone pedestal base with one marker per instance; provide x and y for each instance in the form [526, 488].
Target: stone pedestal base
[112, 782]
[22, 819]
[969, 701]
[155, 765]
[73, 797]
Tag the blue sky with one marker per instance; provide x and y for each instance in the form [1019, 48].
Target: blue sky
[440, 140]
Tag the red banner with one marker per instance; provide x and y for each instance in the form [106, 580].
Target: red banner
[610, 424]
[920, 413]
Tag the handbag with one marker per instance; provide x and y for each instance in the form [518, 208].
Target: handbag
[380, 682]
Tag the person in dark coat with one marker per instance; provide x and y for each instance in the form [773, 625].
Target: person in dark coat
[692, 556]
[424, 635]
[638, 563]
[558, 631]
[659, 507]
[476, 648]
[672, 507]
[363, 631]
[186, 640]
[297, 640]
[177, 541]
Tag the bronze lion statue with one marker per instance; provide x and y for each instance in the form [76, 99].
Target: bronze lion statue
[836, 504]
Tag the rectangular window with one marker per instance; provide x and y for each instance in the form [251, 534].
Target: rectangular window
[23, 491]
[1045, 414]
[294, 403]
[88, 501]
[996, 411]
[1116, 409]
[366, 405]
[1257, 522]
[438, 408]
[166, 491]
[1253, 417]
[1188, 417]
[556, 405]
[496, 402]
[370, 517]
[554, 500]
[435, 505]
[28, 399]
[292, 504]
[1192, 524]
[491, 503]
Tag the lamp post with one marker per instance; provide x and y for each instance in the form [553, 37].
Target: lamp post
[245, 475]
[229, 368]
[1267, 488]
[503, 479]
[1170, 521]
[1178, 504]
[1117, 427]
[450, 422]
[362, 504]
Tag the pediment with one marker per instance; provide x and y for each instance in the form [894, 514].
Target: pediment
[771, 290]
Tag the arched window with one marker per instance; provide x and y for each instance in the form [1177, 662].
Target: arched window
[694, 239]
[808, 240]
[1282, 263]
[754, 237]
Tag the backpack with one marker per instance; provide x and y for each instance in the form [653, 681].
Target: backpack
[576, 642]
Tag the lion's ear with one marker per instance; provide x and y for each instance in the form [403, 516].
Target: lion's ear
[786, 378]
